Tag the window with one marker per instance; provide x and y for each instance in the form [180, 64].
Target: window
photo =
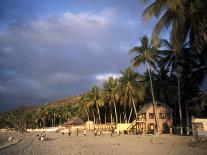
[167, 116]
[164, 115]
[151, 115]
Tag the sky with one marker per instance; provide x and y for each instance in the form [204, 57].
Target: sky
[52, 49]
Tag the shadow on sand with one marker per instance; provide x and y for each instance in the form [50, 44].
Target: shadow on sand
[8, 146]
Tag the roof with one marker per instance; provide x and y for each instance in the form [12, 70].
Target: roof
[144, 109]
[74, 121]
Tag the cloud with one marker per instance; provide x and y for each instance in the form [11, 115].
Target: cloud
[62, 48]
[61, 55]
[104, 77]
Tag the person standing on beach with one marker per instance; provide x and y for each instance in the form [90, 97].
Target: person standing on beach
[84, 132]
[95, 132]
[69, 132]
[77, 132]
[112, 131]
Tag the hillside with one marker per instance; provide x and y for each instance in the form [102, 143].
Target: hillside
[72, 100]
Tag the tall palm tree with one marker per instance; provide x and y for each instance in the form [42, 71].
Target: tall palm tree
[97, 100]
[131, 90]
[172, 60]
[111, 93]
[146, 53]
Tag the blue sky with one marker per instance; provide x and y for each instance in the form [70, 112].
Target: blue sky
[50, 49]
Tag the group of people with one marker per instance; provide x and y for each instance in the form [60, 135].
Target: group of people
[97, 132]
[41, 137]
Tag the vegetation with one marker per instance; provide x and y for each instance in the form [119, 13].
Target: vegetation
[175, 71]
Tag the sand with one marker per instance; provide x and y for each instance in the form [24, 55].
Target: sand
[27, 144]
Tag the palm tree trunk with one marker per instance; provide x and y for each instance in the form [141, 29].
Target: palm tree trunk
[125, 117]
[54, 121]
[130, 115]
[179, 104]
[115, 112]
[105, 117]
[87, 115]
[111, 115]
[153, 98]
[135, 110]
[120, 117]
[99, 116]
[94, 120]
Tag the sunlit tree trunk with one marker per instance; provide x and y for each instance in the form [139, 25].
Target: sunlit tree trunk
[130, 115]
[135, 110]
[94, 118]
[99, 116]
[115, 112]
[153, 98]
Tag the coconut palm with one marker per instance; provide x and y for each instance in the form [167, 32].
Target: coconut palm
[97, 99]
[131, 90]
[147, 54]
[186, 20]
[86, 103]
[42, 115]
[111, 93]
[172, 60]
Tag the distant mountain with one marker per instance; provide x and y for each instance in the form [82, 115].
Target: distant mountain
[72, 100]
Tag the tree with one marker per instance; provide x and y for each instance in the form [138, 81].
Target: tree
[146, 53]
[96, 98]
[111, 93]
[85, 104]
[131, 90]
[182, 17]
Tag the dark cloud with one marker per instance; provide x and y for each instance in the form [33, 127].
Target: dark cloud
[62, 53]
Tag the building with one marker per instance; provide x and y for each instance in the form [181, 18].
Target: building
[145, 123]
[75, 121]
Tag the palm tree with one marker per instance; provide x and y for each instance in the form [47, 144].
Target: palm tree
[131, 89]
[111, 93]
[184, 17]
[172, 60]
[96, 98]
[146, 53]
[86, 103]
[43, 114]
[56, 115]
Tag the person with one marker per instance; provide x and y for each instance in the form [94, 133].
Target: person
[99, 132]
[112, 131]
[69, 132]
[95, 132]
[62, 132]
[84, 132]
[77, 132]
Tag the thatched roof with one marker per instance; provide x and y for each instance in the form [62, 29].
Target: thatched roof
[144, 109]
[74, 121]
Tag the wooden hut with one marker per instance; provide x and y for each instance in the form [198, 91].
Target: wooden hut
[74, 121]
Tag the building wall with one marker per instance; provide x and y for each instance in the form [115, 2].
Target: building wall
[201, 120]
[159, 109]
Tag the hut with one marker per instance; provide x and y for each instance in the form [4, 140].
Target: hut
[74, 121]
[145, 123]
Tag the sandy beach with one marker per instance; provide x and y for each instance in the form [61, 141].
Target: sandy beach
[27, 144]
